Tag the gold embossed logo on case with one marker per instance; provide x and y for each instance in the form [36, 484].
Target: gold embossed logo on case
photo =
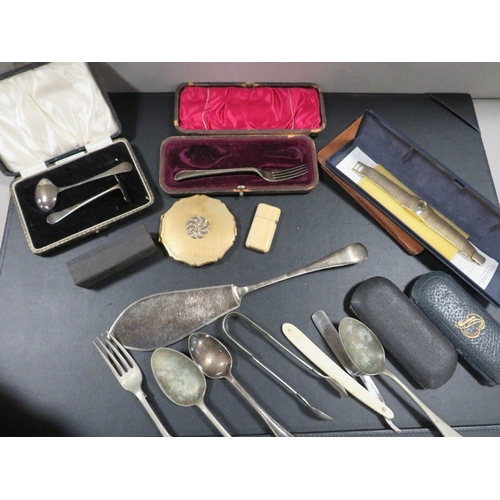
[471, 326]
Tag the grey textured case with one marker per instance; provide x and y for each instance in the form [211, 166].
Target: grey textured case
[114, 255]
[405, 331]
[472, 330]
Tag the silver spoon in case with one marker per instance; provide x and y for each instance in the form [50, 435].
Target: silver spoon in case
[46, 192]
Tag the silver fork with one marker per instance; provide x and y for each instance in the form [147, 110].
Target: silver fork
[283, 174]
[127, 372]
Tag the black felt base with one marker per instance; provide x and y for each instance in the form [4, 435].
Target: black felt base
[48, 361]
[43, 237]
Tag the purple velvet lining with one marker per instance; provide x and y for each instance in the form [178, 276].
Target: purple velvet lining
[213, 152]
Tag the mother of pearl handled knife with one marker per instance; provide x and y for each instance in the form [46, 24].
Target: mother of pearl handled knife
[309, 349]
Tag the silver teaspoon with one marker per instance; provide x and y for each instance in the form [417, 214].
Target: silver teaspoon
[46, 192]
[332, 338]
[182, 381]
[215, 361]
[368, 355]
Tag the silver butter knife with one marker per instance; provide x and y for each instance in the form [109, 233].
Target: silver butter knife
[309, 349]
[332, 338]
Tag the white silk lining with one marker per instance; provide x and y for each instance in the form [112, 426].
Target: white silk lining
[50, 111]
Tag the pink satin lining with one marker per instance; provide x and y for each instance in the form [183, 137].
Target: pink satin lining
[249, 108]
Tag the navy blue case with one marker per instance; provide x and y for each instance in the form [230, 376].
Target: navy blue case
[432, 181]
[465, 323]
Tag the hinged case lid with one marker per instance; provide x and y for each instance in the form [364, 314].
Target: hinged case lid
[249, 108]
[50, 111]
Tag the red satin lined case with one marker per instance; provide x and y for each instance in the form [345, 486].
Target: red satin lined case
[231, 125]
[249, 108]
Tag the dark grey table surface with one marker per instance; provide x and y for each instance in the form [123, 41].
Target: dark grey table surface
[53, 382]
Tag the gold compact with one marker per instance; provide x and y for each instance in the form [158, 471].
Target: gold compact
[198, 230]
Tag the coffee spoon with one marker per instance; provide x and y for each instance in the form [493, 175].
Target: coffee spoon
[182, 381]
[368, 355]
[215, 361]
[46, 191]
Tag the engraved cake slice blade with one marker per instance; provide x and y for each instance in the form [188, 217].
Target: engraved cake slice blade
[162, 319]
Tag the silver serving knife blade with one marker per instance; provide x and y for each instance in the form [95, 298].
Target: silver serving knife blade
[332, 338]
[328, 331]
[327, 365]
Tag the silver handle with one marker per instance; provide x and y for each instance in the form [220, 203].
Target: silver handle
[212, 419]
[277, 429]
[371, 387]
[121, 168]
[351, 254]
[444, 428]
[142, 398]
[55, 217]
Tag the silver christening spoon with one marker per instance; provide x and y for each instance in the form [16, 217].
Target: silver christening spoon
[46, 191]
[55, 217]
